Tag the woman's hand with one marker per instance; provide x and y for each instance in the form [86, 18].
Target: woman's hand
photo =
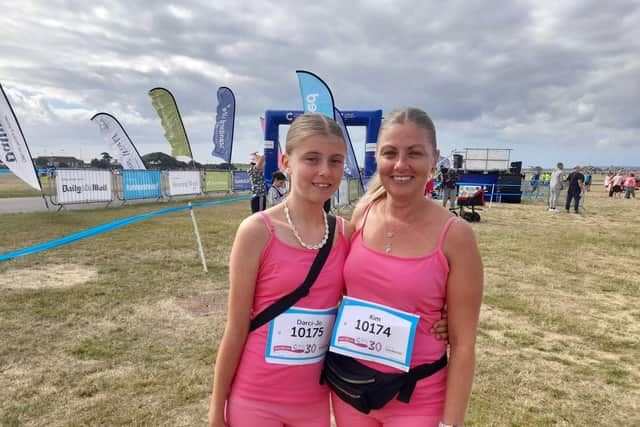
[441, 328]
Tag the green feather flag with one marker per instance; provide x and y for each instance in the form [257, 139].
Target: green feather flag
[165, 104]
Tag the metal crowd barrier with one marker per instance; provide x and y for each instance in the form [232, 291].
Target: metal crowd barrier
[83, 186]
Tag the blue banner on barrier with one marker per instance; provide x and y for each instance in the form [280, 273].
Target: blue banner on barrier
[141, 184]
[240, 181]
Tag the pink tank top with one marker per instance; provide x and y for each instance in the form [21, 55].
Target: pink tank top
[416, 285]
[282, 269]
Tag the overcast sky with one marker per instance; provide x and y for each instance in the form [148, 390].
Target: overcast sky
[551, 80]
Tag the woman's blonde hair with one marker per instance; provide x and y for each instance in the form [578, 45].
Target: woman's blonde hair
[400, 116]
[308, 125]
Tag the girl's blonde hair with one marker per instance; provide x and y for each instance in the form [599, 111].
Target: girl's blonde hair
[401, 116]
[308, 125]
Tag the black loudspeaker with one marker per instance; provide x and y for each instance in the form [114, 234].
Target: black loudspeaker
[457, 161]
[510, 188]
[516, 168]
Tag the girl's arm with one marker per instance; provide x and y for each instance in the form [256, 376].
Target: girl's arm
[464, 297]
[244, 263]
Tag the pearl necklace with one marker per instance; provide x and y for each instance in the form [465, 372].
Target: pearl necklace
[297, 234]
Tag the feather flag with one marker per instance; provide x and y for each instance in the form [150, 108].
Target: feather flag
[14, 151]
[316, 95]
[223, 130]
[317, 98]
[165, 104]
[118, 141]
[351, 169]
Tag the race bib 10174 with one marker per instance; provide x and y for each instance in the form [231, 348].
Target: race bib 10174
[374, 332]
[299, 336]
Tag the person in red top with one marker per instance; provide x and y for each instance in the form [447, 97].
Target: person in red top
[428, 188]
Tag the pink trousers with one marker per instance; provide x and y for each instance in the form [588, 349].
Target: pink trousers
[347, 416]
[256, 413]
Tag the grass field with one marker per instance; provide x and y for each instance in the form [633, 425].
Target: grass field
[122, 328]
[12, 186]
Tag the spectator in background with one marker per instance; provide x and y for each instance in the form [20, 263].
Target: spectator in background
[607, 182]
[616, 185]
[555, 186]
[449, 180]
[429, 187]
[576, 185]
[277, 190]
[630, 186]
[587, 180]
[535, 180]
[258, 187]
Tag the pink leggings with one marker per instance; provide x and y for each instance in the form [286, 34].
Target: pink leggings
[347, 416]
[256, 413]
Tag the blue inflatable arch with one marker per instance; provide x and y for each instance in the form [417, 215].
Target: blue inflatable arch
[274, 118]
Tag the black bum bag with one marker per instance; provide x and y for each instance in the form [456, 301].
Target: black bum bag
[365, 388]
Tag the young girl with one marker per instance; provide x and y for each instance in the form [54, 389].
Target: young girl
[270, 257]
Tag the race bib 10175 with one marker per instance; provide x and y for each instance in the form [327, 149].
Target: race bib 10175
[299, 336]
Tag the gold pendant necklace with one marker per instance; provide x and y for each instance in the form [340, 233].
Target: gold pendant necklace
[390, 234]
[389, 246]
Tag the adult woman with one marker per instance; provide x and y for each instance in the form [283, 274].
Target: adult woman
[411, 255]
[270, 257]
[630, 186]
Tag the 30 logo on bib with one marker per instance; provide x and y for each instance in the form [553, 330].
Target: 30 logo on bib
[299, 336]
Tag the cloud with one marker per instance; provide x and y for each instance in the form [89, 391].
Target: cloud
[521, 75]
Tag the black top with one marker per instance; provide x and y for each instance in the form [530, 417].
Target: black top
[573, 179]
[449, 178]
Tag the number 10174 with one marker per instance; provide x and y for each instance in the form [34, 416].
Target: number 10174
[373, 327]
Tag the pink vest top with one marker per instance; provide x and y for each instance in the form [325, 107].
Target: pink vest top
[416, 285]
[282, 269]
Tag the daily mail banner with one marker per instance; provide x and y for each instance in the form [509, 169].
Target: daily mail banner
[184, 182]
[241, 181]
[83, 186]
[141, 184]
[13, 147]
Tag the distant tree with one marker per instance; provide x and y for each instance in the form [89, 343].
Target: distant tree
[160, 160]
[106, 157]
[220, 166]
[99, 163]
[42, 162]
